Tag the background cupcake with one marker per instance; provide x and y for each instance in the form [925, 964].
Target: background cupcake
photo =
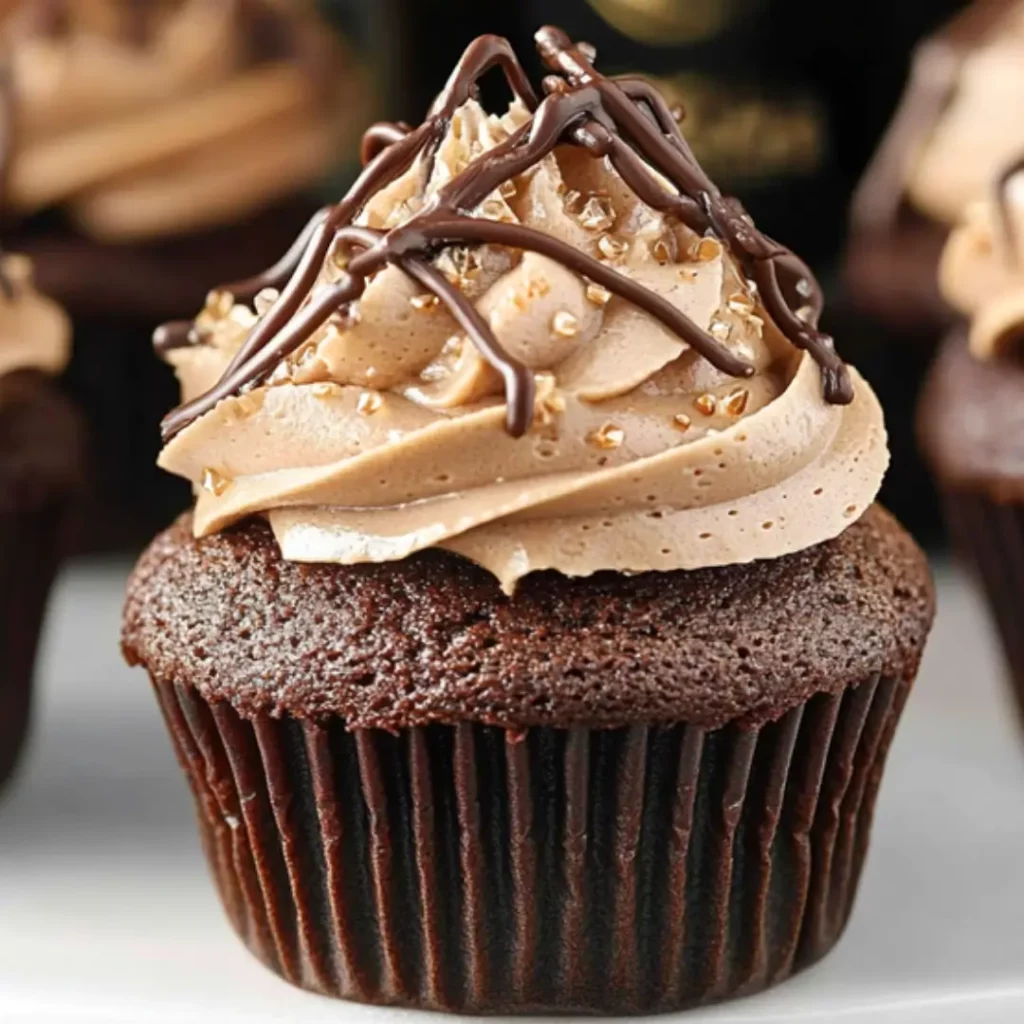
[952, 134]
[159, 147]
[971, 422]
[41, 459]
[534, 642]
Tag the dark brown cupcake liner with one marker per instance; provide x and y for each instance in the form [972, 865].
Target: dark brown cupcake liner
[477, 869]
[990, 538]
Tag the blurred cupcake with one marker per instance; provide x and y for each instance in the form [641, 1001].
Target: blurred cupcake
[971, 421]
[158, 147]
[41, 458]
[956, 128]
[535, 643]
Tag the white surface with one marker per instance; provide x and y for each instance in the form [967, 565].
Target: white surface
[106, 913]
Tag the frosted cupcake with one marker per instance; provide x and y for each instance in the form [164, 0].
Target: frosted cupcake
[535, 642]
[971, 420]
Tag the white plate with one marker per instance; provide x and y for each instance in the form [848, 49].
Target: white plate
[106, 913]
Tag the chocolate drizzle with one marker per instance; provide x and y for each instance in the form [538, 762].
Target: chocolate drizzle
[623, 119]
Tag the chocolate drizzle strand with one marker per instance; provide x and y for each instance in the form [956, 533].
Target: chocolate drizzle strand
[623, 119]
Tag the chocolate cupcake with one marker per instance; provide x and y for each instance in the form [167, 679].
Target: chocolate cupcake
[159, 147]
[41, 458]
[971, 420]
[535, 643]
[952, 134]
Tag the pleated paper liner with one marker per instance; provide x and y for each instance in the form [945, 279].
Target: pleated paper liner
[990, 537]
[476, 869]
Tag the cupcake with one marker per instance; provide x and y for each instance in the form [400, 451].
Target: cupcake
[158, 147]
[41, 457]
[952, 134]
[535, 643]
[971, 420]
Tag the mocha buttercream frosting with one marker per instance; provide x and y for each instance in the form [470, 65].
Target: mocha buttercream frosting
[390, 426]
[982, 268]
[35, 333]
[152, 119]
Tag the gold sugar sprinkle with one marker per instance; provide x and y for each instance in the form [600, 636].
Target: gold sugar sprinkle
[720, 329]
[606, 437]
[369, 403]
[803, 288]
[215, 482]
[681, 421]
[219, 303]
[663, 252]
[426, 302]
[740, 303]
[805, 313]
[612, 248]
[324, 389]
[597, 214]
[565, 325]
[573, 200]
[507, 189]
[735, 403]
[537, 286]
[707, 404]
[598, 295]
[707, 249]
[265, 299]
[555, 402]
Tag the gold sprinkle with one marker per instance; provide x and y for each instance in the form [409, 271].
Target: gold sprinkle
[740, 303]
[756, 324]
[219, 303]
[573, 200]
[369, 403]
[598, 295]
[555, 402]
[607, 436]
[805, 313]
[322, 390]
[707, 249]
[735, 403]
[215, 482]
[536, 287]
[507, 189]
[426, 303]
[803, 288]
[720, 329]
[452, 347]
[565, 325]
[612, 248]
[265, 298]
[681, 421]
[663, 252]
[707, 404]
[597, 214]
[495, 209]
